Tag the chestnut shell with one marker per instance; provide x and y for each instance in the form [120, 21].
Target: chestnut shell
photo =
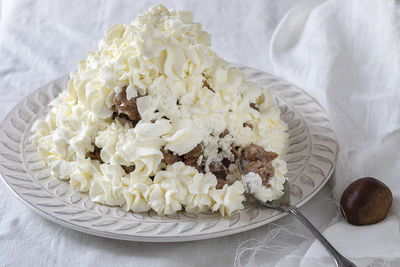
[366, 201]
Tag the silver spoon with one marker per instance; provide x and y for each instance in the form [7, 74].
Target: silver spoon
[283, 204]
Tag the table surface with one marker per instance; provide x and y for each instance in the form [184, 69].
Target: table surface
[43, 40]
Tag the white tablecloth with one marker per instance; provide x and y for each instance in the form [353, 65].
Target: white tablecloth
[42, 40]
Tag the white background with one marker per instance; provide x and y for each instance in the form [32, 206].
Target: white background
[43, 40]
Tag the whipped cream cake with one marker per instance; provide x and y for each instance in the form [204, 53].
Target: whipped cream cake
[155, 120]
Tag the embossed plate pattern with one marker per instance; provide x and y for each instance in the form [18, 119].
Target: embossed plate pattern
[311, 157]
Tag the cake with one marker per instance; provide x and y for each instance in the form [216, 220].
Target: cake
[155, 120]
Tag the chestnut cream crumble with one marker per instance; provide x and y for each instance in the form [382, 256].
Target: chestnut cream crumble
[154, 119]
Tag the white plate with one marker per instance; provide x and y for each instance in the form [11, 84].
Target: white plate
[311, 159]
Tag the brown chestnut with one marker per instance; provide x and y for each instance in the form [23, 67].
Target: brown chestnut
[366, 201]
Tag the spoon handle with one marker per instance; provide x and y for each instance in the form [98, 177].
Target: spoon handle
[340, 260]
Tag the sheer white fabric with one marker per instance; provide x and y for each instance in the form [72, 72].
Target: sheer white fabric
[346, 54]
[42, 40]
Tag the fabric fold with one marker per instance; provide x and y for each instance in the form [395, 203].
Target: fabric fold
[346, 55]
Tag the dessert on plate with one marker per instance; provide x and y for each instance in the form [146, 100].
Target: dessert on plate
[155, 120]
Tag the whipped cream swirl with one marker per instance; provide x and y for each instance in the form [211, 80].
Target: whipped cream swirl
[186, 95]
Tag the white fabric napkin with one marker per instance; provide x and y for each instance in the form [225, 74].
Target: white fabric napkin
[41, 40]
[346, 54]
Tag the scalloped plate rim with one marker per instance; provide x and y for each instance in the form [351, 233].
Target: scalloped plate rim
[183, 238]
